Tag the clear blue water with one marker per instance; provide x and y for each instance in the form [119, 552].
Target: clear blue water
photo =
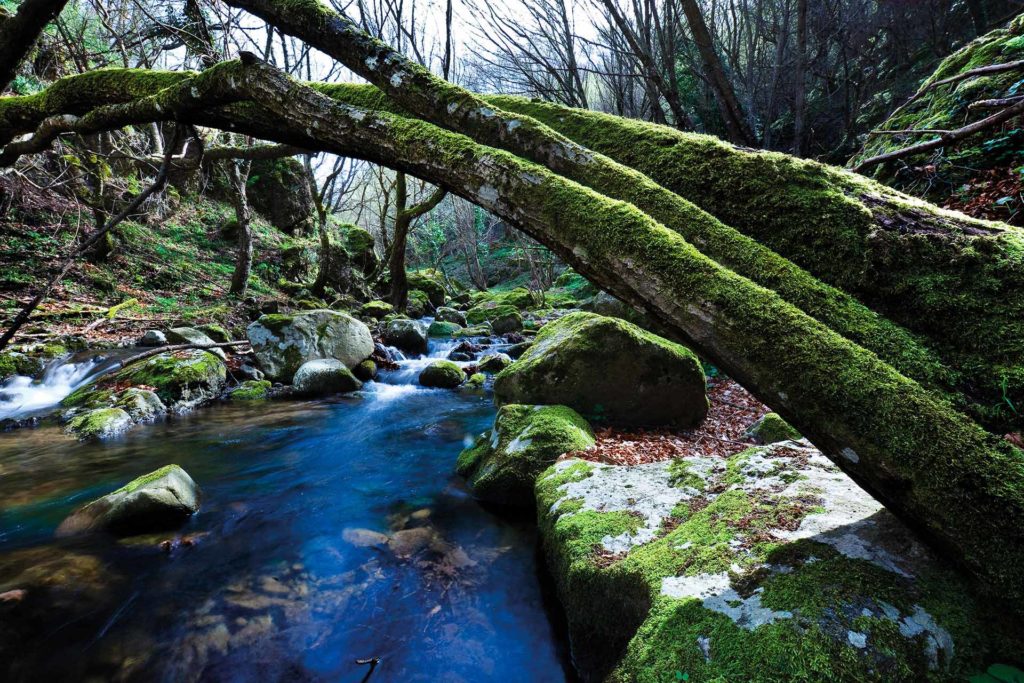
[284, 573]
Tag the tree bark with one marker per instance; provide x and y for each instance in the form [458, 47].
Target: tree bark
[800, 77]
[962, 487]
[405, 215]
[238, 174]
[19, 33]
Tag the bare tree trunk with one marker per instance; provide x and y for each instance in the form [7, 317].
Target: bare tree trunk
[238, 175]
[728, 105]
[19, 33]
[800, 78]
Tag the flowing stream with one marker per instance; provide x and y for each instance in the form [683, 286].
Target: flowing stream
[330, 531]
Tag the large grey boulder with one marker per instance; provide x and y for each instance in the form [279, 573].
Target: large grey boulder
[324, 377]
[157, 501]
[610, 371]
[190, 335]
[769, 565]
[282, 343]
[450, 315]
[408, 335]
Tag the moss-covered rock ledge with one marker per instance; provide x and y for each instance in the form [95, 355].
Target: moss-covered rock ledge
[769, 566]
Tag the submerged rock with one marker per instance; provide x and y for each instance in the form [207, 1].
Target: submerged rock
[407, 335]
[503, 465]
[157, 501]
[324, 377]
[610, 371]
[771, 429]
[769, 566]
[442, 374]
[282, 343]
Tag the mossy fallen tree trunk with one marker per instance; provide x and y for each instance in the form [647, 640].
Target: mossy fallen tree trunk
[961, 486]
[956, 280]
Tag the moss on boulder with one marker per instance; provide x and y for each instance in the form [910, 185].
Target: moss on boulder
[376, 309]
[282, 343]
[450, 315]
[442, 374]
[182, 379]
[99, 423]
[610, 371]
[769, 566]
[418, 304]
[430, 282]
[14, 363]
[157, 501]
[771, 429]
[503, 465]
[442, 329]
[495, 362]
[251, 390]
[365, 371]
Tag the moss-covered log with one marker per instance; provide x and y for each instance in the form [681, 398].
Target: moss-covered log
[940, 274]
[961, 486]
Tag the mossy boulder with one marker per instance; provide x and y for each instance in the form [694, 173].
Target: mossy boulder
[495, 362]
[365, 371]
[280, 191]
[99, 423]
[251, 390]
[418, 304]
[431, 283]
[489, 312]
[519, 298]
[140, 404]
[407, 335]
[182, 379]
[324, 377]
[610, 371]
[376, 309]
[771, 565]
[13, 363]
[190, 335]
[359, 245]
[282, 343]
[503, 465]
[157, 501]
[217, 333]
[443, 329]
[771, 429]
[442, 374]
[446, 314]
[482, 330]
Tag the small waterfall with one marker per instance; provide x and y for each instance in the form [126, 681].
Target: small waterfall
[22, 397]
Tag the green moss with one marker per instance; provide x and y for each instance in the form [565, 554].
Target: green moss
[443, 329]
[99, 423]
[772, 428]
[251, 390]
[376, 309]
[489, 312]
[418, 304]
[148, 478]
[12, 363]
[442, 374]
[172, 376]
[682, 476]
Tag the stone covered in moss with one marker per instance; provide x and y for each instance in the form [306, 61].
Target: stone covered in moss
[482, 330]
[217, 333]
[418, 304]
[769, 566]
[519, 298]
[140, 404]
[443, 329]
[157, 501]
[504, 463]
[610, 371]
[431, 283]
[14, 363]
[376, 309]
[282, 343]
[99, 423]
[442, 374]
[489, 312]
[495, 362]
[182, 379]
[365, 371]
[324, 377]
[450, 315]
[771, 429]
[251, 390]
[279, 190]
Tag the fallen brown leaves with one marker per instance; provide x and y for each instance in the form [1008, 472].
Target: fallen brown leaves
[733, 410]
[996, 194]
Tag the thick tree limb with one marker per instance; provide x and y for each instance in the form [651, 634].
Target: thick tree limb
[19, 33]
[963, 487]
